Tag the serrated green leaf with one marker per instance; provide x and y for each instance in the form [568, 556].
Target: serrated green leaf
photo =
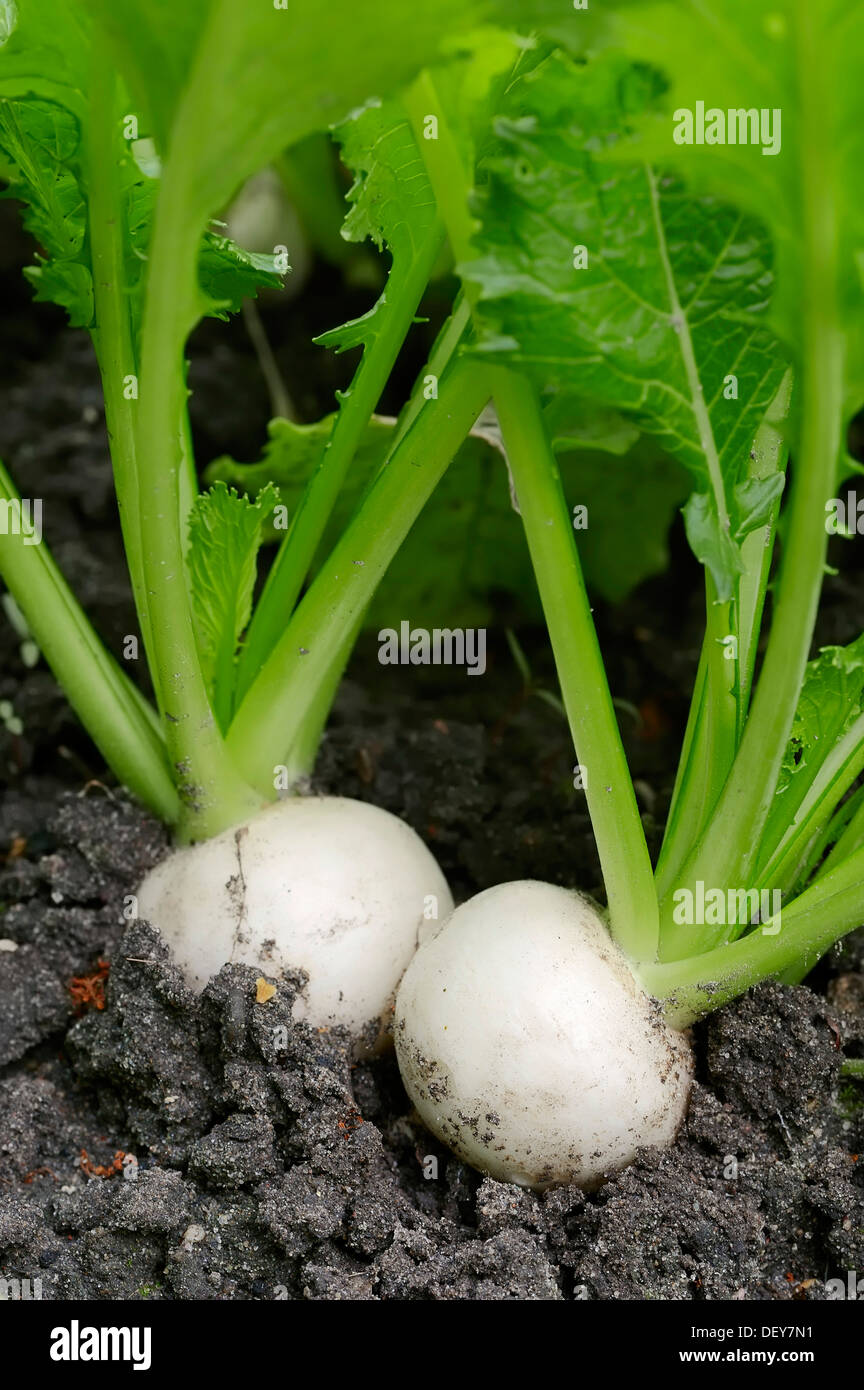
[391, 202]
[67, 283]
[40, 142]
[609, 281]
[832, 699]
[228, 274]
[467, 548]
[224, 537]
[40, 145]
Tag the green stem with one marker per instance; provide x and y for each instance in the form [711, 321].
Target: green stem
[809, 817]
[728, 851]
[291, 682]
[769, 455]
[853, 1066]
[609, 791]
[721, 700]
[213, 794]
[851, 839]
[804, 931]
[710, 742]
[443, 161]
[307, 739]
[112, 333]
[111, 709]
[298, 549]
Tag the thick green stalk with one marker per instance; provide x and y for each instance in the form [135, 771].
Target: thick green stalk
[213, 793]
[721, 697]
[443, 161]
[851, 838]
[609, 792]
[111, 709]
[769, 455]
[728, 851]
[710, 741]
[829, 909]
[298, 549]
[112, 333]
[627, 873]
[295, 674]
[300, 761]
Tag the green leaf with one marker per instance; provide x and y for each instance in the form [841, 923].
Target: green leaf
[822, 758]
[67, 283]
[224, 537]
[574, 423]
[41, 149]
[717, 547]
[45, 53]
[800, 60]
[467, 549]
[228, 274]
[831, 701]
[606, 280]
[754, 502]
[292, 452]
[241, 60]
[391, 202]
[631, 499]
[711, 542]
[40, 142]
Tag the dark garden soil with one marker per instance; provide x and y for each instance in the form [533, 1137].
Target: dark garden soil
[268, 1172]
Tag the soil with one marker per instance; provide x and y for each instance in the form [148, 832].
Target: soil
[155, 1145]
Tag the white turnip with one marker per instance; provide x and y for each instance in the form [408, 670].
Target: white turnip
[528, 1046]
[336, 887]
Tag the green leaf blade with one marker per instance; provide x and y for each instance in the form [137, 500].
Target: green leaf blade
[603, 278]
[224, 537]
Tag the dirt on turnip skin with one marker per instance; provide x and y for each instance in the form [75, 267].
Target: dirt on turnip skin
[265, 1171]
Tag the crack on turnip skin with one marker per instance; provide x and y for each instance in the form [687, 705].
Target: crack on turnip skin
[327, 883]
[236, 888]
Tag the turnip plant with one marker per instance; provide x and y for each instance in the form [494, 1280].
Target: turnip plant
[705, 282]
[651, 214]
[125, 132]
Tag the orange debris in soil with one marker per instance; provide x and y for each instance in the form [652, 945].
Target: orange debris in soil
[102, 1170]
[37, 1172]
[88, 991]
[348, 1126]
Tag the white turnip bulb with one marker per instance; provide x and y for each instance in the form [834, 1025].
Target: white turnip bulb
[337, 887]
[528, 1046]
